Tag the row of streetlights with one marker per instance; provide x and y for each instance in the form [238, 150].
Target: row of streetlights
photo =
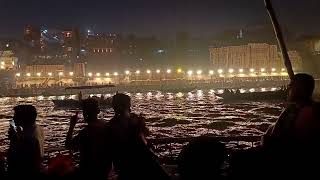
[158, 71]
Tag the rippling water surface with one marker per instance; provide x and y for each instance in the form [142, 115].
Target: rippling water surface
[168, 115]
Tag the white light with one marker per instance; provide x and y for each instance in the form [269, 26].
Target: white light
[89, 74]
[107, 74]
[28, 74]
[38, 74]
[60, 74]
[158, 71]
[240, 70]
[168, 71]
[18, 74]
[252, 90]
[179, 70]
[263, 89]
[2, 67]
[7, 45]
[98, 74]
[115, 74]
[127, 72]
[190, 73]
[2, 63]
[252, 70]
[13, 63]
[211, 72]
[148, 71]
[231, 70]
[283, 69]
[137, 72]
[199, 72]
[89, 31]
[273, 69]
[71, 73]
[263, 69]
[49, 74]
[220, 71]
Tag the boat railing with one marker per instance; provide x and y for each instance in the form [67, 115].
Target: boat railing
[168, 143]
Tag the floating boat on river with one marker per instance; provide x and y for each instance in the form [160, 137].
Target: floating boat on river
[76, 104]
[279, 95]
[104, 103]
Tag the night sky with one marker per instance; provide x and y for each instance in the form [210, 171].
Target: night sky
[157, 17]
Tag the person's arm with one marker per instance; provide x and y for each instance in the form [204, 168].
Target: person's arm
[69, 140]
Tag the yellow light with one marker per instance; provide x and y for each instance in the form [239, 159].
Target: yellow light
[38, 74]
[49, 74]
[148, 71]
[240, 70]
[2, 67]
[211, 72]
[60, 74]
[18, 74]
[179, 70]
[231, 70]
[168, 71]
[199, 72]
[158, 71]
[137, 72]
[115, 74]
[89, 74]
[127, 72]
[98, 74]
[220, 71]
[71, 73]
[283, 69]
[2, 63]
[28, 74]
[107, 74]
[273, 69]
[263, 69]
[252, 70]
[13, 63]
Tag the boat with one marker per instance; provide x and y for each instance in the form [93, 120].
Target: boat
[279, 95]
[76, 104]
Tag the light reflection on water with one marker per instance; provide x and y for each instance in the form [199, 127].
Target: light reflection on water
[168, 115]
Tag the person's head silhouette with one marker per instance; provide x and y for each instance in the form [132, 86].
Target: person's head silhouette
[90, 109]
[25, 115]
[301, 88]
[121, 104]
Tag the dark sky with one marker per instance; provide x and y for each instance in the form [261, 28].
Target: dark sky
[159, 17]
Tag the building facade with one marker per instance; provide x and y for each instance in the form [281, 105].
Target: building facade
[45, 70]
[255, 56]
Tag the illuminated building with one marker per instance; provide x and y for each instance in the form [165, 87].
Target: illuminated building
[44, 69]
[8, 61]
[252, 56]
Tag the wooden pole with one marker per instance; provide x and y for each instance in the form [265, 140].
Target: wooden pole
[280, 39]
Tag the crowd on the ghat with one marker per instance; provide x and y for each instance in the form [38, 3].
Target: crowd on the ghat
[288, 149]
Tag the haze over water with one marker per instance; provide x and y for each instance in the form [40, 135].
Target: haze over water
[168, 115]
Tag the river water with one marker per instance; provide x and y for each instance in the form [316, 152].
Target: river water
[180, 114]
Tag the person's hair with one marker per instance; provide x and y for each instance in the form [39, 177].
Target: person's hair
[121, 102]
[25, 114]
[306, 83]
[90, 107]
[201, 159]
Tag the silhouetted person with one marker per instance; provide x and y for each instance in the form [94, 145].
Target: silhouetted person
[295, 137]
[201, 159]
[132, 158]
[26, 143]
[91, 141]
